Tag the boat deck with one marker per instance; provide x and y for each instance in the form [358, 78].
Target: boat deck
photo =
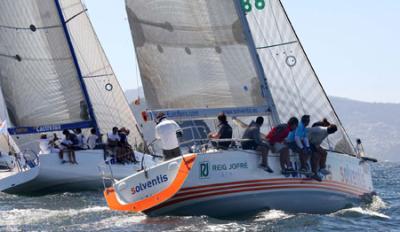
[7, 173]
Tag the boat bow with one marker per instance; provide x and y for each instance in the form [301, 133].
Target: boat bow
[114, 200]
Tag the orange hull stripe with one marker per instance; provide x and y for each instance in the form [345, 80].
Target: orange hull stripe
[158, 198]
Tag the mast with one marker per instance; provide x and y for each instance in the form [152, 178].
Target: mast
[256, 61]
[75, 60]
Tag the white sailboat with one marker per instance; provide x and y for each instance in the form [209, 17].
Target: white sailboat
[55, 76]
[243, 58]
[15, 167]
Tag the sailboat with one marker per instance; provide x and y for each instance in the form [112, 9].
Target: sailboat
[15, 167]
[54, 75]
[243, 58]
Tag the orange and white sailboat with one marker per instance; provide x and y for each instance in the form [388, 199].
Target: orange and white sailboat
[243, 58]
[226, 183]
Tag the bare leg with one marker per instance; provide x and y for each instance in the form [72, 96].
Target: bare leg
[284, 158]
[263, 151]
[323, 154]
[61, 154]
[315, 159]
[303, 160]
[73, 157]
[70, 156]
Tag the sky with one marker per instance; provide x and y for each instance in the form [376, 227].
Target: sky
[354, 45]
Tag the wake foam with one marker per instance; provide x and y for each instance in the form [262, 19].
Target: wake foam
[360, 212]
[272, 215]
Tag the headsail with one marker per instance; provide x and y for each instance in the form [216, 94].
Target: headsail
[108, 100]
[293, 82]
[193, 55]
[37, 74]
[7, 144]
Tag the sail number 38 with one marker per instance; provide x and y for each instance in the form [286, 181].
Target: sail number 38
[247, 5]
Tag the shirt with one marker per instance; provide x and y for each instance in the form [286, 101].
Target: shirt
[44, 146]
[317, 134]
[299, 136]
[81, 140]
[252, 132]
[74, 139]
[65, 142]
[113, 137]
[278, 133]
[123, 138]
[225, 132]
[92, 141]
[166, 132]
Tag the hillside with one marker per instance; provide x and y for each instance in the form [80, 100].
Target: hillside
[377, 124]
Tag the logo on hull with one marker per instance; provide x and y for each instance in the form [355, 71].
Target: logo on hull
[204, 170]
[149, 184]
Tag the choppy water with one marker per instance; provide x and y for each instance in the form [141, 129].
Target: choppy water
[88, 212]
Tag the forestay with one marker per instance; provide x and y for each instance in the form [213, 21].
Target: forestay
[294, 85]
[37, 75]
[193, 55]
[108, 100]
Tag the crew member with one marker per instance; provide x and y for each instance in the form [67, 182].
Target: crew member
[168, 131]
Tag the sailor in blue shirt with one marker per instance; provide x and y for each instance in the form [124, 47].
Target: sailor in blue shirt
[298, 142]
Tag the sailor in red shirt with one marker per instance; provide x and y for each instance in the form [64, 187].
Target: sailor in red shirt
[276, 137]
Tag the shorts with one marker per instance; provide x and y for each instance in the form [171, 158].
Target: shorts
[313, 148]
[170, 154]
[293, 146]
[278, 147]
[249, 145]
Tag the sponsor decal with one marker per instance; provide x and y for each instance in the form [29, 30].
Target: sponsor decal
[221, 169]
[204, 170]
[48, 128]
[142, 186]
[231, 166]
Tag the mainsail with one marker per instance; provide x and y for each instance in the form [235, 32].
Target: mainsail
[193, 55]
[106, 95]
[38, 76]
[294, 84]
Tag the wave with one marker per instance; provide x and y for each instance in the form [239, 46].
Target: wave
[360, 212]
[17, 217]
[377, 204]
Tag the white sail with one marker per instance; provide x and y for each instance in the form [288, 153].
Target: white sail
[294, 84]
[4, 145]
[193, 54]
[6, 142]
[109, 103]
[37, 74]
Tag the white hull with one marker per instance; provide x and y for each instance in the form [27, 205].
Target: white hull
[56, 177]
[231, 183]
[15, 177]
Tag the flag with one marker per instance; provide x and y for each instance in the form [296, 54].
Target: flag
[3, 127]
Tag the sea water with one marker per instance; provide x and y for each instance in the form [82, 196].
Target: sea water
[88, 212]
